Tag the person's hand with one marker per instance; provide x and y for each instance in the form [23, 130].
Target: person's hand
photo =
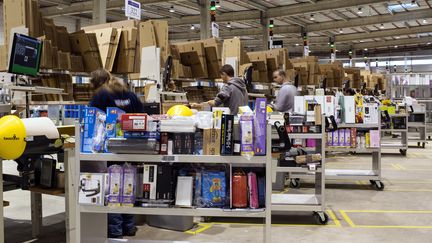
[211, 103]
[194, 105]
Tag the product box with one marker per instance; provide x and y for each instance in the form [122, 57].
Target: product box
[260, 126]
[341, 136]
[88, 134]
[183, 143]
[329, 105]
[330, 139]
[367, 140]
[371, 113]
[184, 191]
[164, 143]
[142, 135]
[247, 135]
[91, 189]
[134, 122]
[335, 140]
[353, 136]
[165, 183]
[115, 177]
[299, 105]
[113, 126]
[214, 188]
[227, 132]
[375, 140]
[129, 186]
[149, 182]
[211, 141]
[347, 137]
[349, 109]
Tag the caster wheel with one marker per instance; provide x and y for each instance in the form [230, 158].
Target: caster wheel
[418, 144]
[378, 185]
[321, 218]
[403, 151]
[423, 145]
[295, 183]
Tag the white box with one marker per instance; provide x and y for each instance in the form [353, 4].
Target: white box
[92, 189]
[184, 192]
[150, 182]
[349, 109]
[371, 113]
[329, 105]
[320, 100]
[299, 105]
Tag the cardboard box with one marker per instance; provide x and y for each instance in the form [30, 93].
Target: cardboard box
[118, 25]
[77, 64]
[211, 141]
[89, 127]
[233, 50]
[14, 15]
[193, 54]
[92, 189]
[33, 18]
[55, 61]
[64, 60]
[86, 45]
[62, 36]
[3, 58]
[213, 53]
[134, 122]
[108, 40]
[125, 62]
[46, 58]
[348, 108]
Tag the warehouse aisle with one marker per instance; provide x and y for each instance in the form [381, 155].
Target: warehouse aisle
[400, 213]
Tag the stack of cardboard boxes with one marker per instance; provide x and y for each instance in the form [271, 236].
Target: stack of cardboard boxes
[308, 70]
[371, 79]
[266, 62]
[234, 54]
[353, 75]
[334, 73]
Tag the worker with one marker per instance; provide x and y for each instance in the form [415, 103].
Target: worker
[233, 94]
[284, 101]
[112, 92]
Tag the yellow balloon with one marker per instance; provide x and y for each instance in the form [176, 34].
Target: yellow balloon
[269, 109]
[179, 110]
[12, 137]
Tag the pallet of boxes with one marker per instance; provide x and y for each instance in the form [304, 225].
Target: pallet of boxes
[354, 76]
[334, 74]
[308, 70]
[373, 79]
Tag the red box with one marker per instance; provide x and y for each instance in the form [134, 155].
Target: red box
[134, 122]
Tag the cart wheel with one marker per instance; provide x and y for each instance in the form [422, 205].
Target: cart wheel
[321, 218]
[295, 183]
[418, 144]
[403, 151]
[423, 145]
[378, 185]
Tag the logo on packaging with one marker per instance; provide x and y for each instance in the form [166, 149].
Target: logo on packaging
[13, 138]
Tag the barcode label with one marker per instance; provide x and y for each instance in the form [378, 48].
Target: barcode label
[169, 158]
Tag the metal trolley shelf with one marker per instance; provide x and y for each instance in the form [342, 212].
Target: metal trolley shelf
[417, 131]
[91, 220]
[387, 143]
[313, 202]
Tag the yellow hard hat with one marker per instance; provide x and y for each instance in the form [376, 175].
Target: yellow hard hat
[179, 110]
[269, 109]
[12, 137]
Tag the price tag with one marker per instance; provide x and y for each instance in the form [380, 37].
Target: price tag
[312, 166]
[169, 158]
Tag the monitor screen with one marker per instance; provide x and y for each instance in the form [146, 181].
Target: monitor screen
[25, 55]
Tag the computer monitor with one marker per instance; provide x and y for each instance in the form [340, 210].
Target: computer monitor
[25, 55]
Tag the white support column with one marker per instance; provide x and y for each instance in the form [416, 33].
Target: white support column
[99, 11]
[77, 24]
[354, 55]
[205, 26]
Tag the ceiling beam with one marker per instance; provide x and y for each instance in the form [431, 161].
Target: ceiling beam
[84, 7]
[340, 15]
[400, 42]
[256, 5]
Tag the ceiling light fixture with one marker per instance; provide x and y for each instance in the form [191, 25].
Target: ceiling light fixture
[59, 7]
[396, 46]
[229, 25]
[218, 4]
[312, 17]
[172, 10]
[297, 44]
[192, 27]
[425, 21]
[397, 37]
[360, 11]
[428, 43]
[365, 49]
[341, 31]
[382, 26]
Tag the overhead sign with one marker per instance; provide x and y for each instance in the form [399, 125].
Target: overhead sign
[215, 30]
[133, 9]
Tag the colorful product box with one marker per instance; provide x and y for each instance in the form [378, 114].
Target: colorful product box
[213, 189]
[336, 138]
[91, 189]
[247, 135]
[129, 185]
[353, 137]
[113, 125]
[88, 134]
[260, 126]
[375, 140]
[149, 182]
[341, 137]
[134, 122]
[347, 141]
[227, 135]
[115, 173]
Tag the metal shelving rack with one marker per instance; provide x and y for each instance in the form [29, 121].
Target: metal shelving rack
[417, 130]
[304, 202]
[91, 221]
[403, 145]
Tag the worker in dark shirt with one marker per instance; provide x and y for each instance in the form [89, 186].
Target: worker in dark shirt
[112, 92]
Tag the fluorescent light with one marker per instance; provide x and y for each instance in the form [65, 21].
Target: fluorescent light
[229, 25]
[172, 10]
[218, 4]
[360, 11]
[361, 41]
[297, 44]
[365, 49]
[382, 26]
[312, 17]
[397, 37]
[424, 21]
[395, 46]
[59, 7]
[428, 43]
[403, 6]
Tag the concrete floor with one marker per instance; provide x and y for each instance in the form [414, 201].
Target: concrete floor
[400, 213]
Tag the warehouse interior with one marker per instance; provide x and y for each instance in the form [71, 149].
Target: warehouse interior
[215, 121]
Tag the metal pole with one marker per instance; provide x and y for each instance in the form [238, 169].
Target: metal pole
[99, 11]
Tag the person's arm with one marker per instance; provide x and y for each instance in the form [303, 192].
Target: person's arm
[223, 95]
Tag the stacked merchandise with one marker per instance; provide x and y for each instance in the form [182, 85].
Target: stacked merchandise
[174, 184]
[354, 76]
[266, 62]
[334, 74]
[74, 111]
[353, 138]
[308, 69]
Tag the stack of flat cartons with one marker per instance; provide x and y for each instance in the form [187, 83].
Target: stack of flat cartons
[178, 69]
[233, 53]
[353, 74]
[308, 69]
[334, 74]
[192, 54]
[85, 44]
[259, 62]
[108, 40]
[213, 53]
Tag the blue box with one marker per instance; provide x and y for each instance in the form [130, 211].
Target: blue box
[90, 119]
[113, 128]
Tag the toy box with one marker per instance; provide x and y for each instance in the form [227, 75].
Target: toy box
[213, 189]
[113, 125]
[129, 186]
[134, 122]
[115, 185]
[260, 126]
[89, 132]
[149, 182]
[247, 135]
